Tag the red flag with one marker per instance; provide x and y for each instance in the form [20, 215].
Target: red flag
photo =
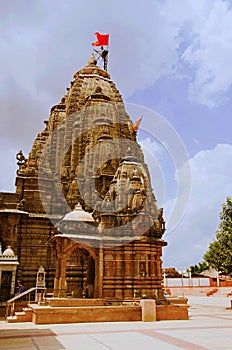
[102, 39]
[136, 124]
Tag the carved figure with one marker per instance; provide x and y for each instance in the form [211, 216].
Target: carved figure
[137, 201]
[161, 219]
[20, 205]
[21, 158]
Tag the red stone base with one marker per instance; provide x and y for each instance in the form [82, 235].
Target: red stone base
[171, 312]
[65, 302]
[49, 315]
[78, 314]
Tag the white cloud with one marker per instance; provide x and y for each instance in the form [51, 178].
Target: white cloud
[209, 55]
[211, 184]
[191, 40]
[154, 50]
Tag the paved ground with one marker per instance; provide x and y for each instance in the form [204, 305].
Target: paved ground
[209, 327]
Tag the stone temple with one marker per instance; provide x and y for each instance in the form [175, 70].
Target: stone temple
[84, 207]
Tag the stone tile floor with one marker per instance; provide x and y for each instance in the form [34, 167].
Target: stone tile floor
[209, 327]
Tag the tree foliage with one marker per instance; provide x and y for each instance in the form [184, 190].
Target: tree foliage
[197, 269]
[219, 254]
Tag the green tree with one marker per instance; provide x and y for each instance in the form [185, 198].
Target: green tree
[219, 254]
[196, 269]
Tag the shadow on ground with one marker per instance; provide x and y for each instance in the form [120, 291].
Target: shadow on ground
[29, 339]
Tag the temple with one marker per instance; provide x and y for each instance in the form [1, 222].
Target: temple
[84, 207]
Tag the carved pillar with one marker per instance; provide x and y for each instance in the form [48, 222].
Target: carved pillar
[13, 280]
[119, 273]
[118, 264]
[159, 264]
[56, 279]
[127, 263]
[62, 279]
[128, 292]
[56, 252]
[152, 265]
[12, 229]
[101, 271]
[147, 266]
[60, 284]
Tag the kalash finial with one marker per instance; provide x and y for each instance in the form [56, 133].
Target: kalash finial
[92, 61]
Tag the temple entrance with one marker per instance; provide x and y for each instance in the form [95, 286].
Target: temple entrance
[80, 274]
[5, 285]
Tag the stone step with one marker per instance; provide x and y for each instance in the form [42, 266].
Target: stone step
[11, 319]
[20, 313]
[21, 316]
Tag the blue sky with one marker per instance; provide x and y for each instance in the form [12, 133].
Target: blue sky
[171, 57]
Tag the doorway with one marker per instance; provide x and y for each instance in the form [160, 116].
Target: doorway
[80, 274]
[6, 285]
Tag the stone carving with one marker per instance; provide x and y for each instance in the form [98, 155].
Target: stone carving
[161, 219]
[21, 162]
[21, 158]
[20, 205]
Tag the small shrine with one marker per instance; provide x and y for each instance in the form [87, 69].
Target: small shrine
[8, 268]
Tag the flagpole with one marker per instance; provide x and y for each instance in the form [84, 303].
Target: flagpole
[104, 55]
[105, 58]
[102, 40]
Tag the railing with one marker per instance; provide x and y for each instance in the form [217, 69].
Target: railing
[37, 292]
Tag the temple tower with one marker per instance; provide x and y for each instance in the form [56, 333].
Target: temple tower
[92, 219]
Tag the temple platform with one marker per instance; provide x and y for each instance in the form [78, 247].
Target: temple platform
[64, 310]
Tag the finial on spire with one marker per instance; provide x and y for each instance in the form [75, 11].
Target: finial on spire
[92, 61]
